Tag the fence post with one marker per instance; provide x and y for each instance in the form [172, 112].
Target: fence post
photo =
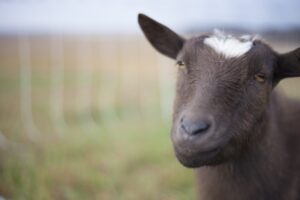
[166, 73]
[25, 88]
[57, 84]
[85, 80]
[108, 78]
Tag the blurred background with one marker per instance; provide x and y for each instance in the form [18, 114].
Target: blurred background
[85, 102]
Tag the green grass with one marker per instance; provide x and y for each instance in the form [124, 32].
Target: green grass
[126, 155]
[130, 160]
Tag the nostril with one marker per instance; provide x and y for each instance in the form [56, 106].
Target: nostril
[200, 127]
[194, 128]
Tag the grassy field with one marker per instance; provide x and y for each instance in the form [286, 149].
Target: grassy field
[112, 141]
[130, 160]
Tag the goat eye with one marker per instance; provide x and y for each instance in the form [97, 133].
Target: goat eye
[180, 64]
[260, 77]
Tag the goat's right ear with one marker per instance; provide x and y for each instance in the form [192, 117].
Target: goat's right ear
[161, 37]
[288, 65]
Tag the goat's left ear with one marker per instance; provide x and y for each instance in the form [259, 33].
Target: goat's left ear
[161, 37]
[288, 65]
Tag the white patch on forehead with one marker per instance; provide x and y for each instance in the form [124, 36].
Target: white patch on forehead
[228, 45]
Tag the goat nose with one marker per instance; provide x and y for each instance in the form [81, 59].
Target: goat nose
[194, 128]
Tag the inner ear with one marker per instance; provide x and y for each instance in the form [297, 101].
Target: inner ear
[288, 65]
[161, 37]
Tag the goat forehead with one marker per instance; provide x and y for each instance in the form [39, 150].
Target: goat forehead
[228, 45]
[202, 60]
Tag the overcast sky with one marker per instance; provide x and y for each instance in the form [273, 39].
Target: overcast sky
[120, 15]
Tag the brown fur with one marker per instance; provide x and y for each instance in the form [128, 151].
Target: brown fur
[250, 146]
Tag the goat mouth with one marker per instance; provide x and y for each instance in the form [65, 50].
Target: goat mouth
[198, 159]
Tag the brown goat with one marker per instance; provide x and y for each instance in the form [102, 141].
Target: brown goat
[229, 123]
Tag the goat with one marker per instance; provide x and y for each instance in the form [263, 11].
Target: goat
[229, 123]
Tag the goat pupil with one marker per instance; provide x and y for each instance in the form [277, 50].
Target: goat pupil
[260, 77]
[180, 64]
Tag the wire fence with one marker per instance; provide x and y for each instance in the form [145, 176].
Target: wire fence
[94, 80]
[49, 83]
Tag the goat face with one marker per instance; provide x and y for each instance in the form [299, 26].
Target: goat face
[223, 88]
[220, 101]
